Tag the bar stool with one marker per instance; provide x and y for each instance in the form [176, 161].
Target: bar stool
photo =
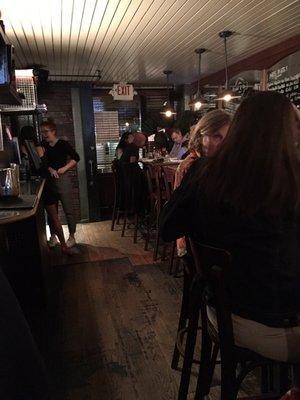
[168, 176]
[153, 199]
[157, 198]
[115, 166]
[208, 289]
[133, 191]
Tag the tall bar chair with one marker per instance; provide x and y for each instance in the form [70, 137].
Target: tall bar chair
[133, 191]
[117, 207]
[157, 198]
[208, 290]
[168, 176]
[154, 202]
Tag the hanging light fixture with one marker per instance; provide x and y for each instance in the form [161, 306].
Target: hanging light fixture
[199, 100]
[167, 110]
[227, 94]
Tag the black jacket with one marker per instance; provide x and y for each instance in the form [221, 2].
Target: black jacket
[264, 281]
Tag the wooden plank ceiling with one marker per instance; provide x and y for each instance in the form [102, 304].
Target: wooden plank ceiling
[135, 40]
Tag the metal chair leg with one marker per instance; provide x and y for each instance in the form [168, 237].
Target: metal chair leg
[172, 258]
[156, 246]
[147, 238]
[118, 217]
[183, 319]
[113, 218]
[189, 350]
[124, 224]
[136, 220]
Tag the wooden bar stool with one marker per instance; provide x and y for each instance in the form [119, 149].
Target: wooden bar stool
[117, 194]
[168, 176]
[153, 199]
[132, 189]
[211, 265]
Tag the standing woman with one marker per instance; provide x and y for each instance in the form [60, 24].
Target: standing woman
[60, 157]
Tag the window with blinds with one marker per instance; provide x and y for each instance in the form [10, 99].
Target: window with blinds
[112, 119]
[107, 135]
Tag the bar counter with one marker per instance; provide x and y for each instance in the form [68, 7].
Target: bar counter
[31, 187]
[23, 248]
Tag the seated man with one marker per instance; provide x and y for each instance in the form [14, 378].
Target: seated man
[180, 144]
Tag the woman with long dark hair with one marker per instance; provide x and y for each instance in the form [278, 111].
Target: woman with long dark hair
[126, 150]
[205, 137]
[246, 199]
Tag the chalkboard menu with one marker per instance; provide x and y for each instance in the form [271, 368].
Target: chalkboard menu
[241, 84]
[231, 106]
[284, 77]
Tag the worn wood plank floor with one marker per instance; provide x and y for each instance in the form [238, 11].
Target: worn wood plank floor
[111, 324]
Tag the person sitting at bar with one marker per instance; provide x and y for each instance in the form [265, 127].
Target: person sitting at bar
[180, 144]
[125, 139]
[246, 199]
[205, 137]
[126, 150]
[162, 140]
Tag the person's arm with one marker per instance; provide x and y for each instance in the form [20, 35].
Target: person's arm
[71, 164]
[74, 158]
[178, 215]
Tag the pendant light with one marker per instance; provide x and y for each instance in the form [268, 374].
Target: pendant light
[167, 110]
[199, 100]
[227, 94]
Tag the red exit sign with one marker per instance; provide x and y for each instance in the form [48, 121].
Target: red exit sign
[122, 91]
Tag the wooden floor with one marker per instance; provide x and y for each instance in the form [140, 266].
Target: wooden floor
[111, 323]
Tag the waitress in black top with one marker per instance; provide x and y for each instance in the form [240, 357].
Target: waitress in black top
[60, 157]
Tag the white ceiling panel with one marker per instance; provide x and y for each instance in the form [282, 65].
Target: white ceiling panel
[135, 40]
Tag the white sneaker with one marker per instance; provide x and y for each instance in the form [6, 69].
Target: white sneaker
[71, 241]
[53, 241]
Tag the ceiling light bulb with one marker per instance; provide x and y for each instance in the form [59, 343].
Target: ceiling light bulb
[168, 113]
[198, 105]
[227, 97]
[126, 123]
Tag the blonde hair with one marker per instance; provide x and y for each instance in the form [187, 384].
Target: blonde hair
[208, 125]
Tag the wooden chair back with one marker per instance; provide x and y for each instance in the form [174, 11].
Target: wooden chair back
[168, 175]
[212, 265]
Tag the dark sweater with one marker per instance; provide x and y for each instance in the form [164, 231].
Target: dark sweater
[264, 281]
[130, 150]
[58, 155]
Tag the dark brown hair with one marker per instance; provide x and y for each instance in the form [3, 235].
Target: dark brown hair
[50, 123]
[257, 168]
[209, 124]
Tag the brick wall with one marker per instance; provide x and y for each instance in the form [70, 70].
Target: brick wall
[57, 97]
